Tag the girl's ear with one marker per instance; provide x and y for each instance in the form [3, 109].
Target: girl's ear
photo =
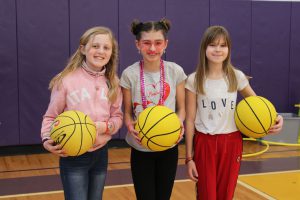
[82, 49]
[167, 41]
[137, 44]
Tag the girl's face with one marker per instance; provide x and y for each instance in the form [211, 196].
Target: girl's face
[98, 51]
[217, 51]
[152, 45]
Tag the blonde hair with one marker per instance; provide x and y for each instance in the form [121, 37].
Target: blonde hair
[211, 34]
[77, 58]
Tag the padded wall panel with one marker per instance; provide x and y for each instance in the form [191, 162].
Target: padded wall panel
[294, 74]
[236, 17]
[9, 124]
[87, 14]
[189, 20]
[43, 35]
[270, 51]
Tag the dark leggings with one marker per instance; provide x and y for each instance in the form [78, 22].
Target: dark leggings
[153, 173]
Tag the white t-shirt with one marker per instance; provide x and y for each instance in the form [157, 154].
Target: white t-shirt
[215, 109]
[130, 79]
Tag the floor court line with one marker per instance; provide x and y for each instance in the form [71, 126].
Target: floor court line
[267, 173]
[255, 190]
[61, 191]
[31, 194]
[248, 181]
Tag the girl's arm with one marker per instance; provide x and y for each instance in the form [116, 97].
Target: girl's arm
[191, 107]
[247, 91]
[129, 122]
[180, 101]
[56, 106]
[116, 115]
[180, 107]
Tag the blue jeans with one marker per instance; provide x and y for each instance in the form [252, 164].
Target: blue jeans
[83, 177]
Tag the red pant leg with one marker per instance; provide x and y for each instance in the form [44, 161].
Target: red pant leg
[217, 159]
[205, 160]
[229, 160]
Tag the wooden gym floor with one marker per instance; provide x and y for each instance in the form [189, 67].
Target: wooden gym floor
[274, 174]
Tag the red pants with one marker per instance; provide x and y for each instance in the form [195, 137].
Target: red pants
[217, 159]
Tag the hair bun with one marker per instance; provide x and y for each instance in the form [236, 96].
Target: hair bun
[136, 26]
[166, 24]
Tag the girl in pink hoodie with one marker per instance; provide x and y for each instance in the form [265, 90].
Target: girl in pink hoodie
[89, 84]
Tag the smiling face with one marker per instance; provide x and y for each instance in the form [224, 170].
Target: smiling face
[152, 45]
[97, 51]
[217, 51]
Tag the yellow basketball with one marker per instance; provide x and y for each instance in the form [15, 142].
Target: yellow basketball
[159, 128]
[74, 131]
[254, 116]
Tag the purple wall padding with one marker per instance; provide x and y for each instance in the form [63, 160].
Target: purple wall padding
[87, 14]
[294, 73]
[189, 20]
[270, 51]
[37, 38]
[43, 46]
[9, 124]
[236, 17]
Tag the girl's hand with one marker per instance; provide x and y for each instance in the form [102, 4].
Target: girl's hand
[278, 125]
[101, 127]
[132, 131]
[181, 133]
[192, 171]
[53, 148]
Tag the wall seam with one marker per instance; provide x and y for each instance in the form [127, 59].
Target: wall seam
[18, 77]
[251, 35]
[290, 57]
[69, 9]
[209, 13]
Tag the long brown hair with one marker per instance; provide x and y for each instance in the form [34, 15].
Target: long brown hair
[211, 34]
[77, 58]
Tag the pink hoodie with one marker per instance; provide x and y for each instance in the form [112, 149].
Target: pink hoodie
[86, 91]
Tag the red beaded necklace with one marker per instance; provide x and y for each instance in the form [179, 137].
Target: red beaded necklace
[161, 81]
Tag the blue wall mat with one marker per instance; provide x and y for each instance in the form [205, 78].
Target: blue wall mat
[9, 124]
[189, 20]
[43, 46]
[294, 73]
[270, 51]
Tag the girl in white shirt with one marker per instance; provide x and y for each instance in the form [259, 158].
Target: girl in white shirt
[213, 143]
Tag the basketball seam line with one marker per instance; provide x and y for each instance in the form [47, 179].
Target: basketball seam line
[269, 111]
[237, 114]
[149, 139]
[156, 124]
